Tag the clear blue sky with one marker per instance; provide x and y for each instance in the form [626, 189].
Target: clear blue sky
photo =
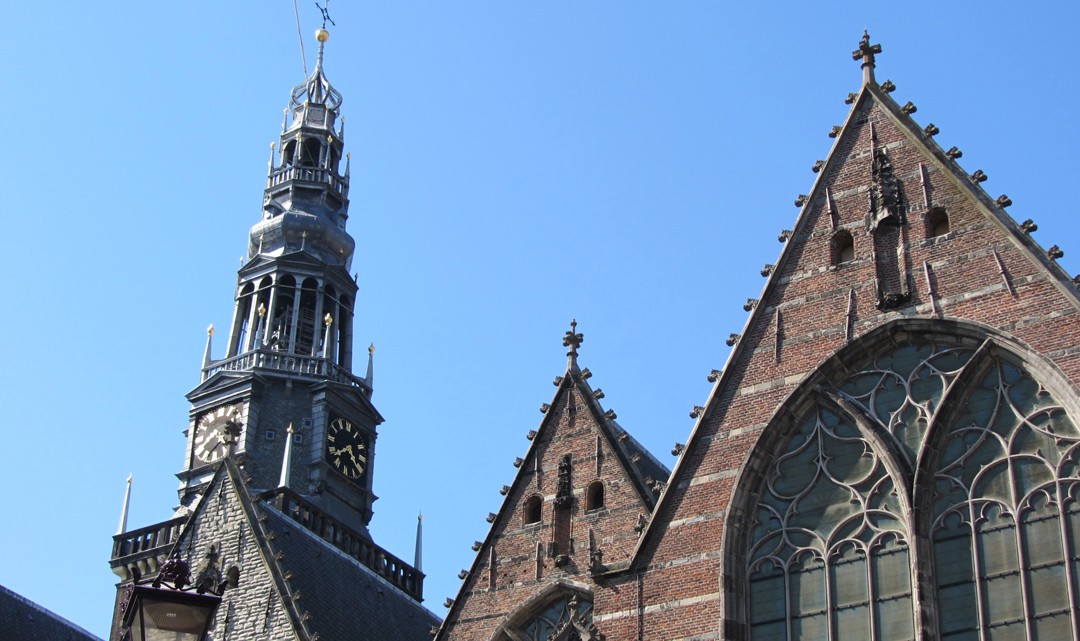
[515, 164]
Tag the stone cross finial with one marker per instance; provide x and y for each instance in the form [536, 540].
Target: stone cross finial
[866, 52]
[573, 338]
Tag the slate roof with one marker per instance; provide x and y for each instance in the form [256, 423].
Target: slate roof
[345, 600]
[327, 594]
[23, 620]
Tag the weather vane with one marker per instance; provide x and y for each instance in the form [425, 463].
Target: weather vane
[325, 10]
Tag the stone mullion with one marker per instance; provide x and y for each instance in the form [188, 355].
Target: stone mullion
[253, 319]
[297, 293]
[234, 334]
[1067, 555]
[270, 311]
[320, 293]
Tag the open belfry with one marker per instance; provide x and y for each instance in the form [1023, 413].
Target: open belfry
[890, 452]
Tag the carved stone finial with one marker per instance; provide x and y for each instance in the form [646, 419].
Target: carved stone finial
[573, 338]
[1003, 201]
[909, 108]
[1029, 226]
[750, 304]
[835, 131]
[504, 490]
[732, 339]
[598, 393]
[931, 130]
[767, 270]
[801, 200]
[866, 53]
[785, 234]
[714, 375]
[1054, 253]
[678, 449]
[518, 461]
[850, 98]
[888, 86]
[696, 412]
[954, 152]
[979, 176]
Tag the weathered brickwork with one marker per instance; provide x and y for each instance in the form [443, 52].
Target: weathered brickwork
[573, 541]
[981, 270]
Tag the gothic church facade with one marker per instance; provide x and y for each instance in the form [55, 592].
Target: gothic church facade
[890, 452]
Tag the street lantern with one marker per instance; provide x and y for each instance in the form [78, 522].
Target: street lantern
[170, 613]
[157, 614]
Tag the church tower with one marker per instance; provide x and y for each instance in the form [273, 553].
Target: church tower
[289, 356]
[276, 486]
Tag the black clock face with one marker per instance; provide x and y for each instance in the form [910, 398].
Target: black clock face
[210, 432]
[346, 448]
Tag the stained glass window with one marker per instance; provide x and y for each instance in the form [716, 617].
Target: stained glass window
[830, 554]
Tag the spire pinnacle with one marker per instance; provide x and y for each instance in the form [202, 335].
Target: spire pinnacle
[209, 344]
[321, 34]
[866, 52]
[573, 340]
[419, 557]
[317, 89]
[124, 510]
[286, 461]
[370, 378]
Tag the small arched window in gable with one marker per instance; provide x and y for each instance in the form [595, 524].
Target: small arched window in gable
[937, 223]
[842, 246]
[594, 496]
[533, 507]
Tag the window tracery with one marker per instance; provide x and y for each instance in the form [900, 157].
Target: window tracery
[566, 616]
[935, 449]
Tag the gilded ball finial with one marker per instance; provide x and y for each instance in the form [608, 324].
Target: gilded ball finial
[322, 35]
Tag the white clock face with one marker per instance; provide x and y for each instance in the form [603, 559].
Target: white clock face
[210, 433]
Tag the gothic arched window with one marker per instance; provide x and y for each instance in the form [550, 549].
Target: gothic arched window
[558, 614]
[829, 548]
[1005, 521]
[934, 487]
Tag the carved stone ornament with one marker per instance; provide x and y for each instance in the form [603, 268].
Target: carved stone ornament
[577, 626]
[884, 196]
[563, 494]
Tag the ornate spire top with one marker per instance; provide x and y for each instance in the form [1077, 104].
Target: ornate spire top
[573, 339]
[866, 52]
[317, 90]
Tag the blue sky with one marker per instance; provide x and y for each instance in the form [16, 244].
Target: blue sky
[515, 164]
